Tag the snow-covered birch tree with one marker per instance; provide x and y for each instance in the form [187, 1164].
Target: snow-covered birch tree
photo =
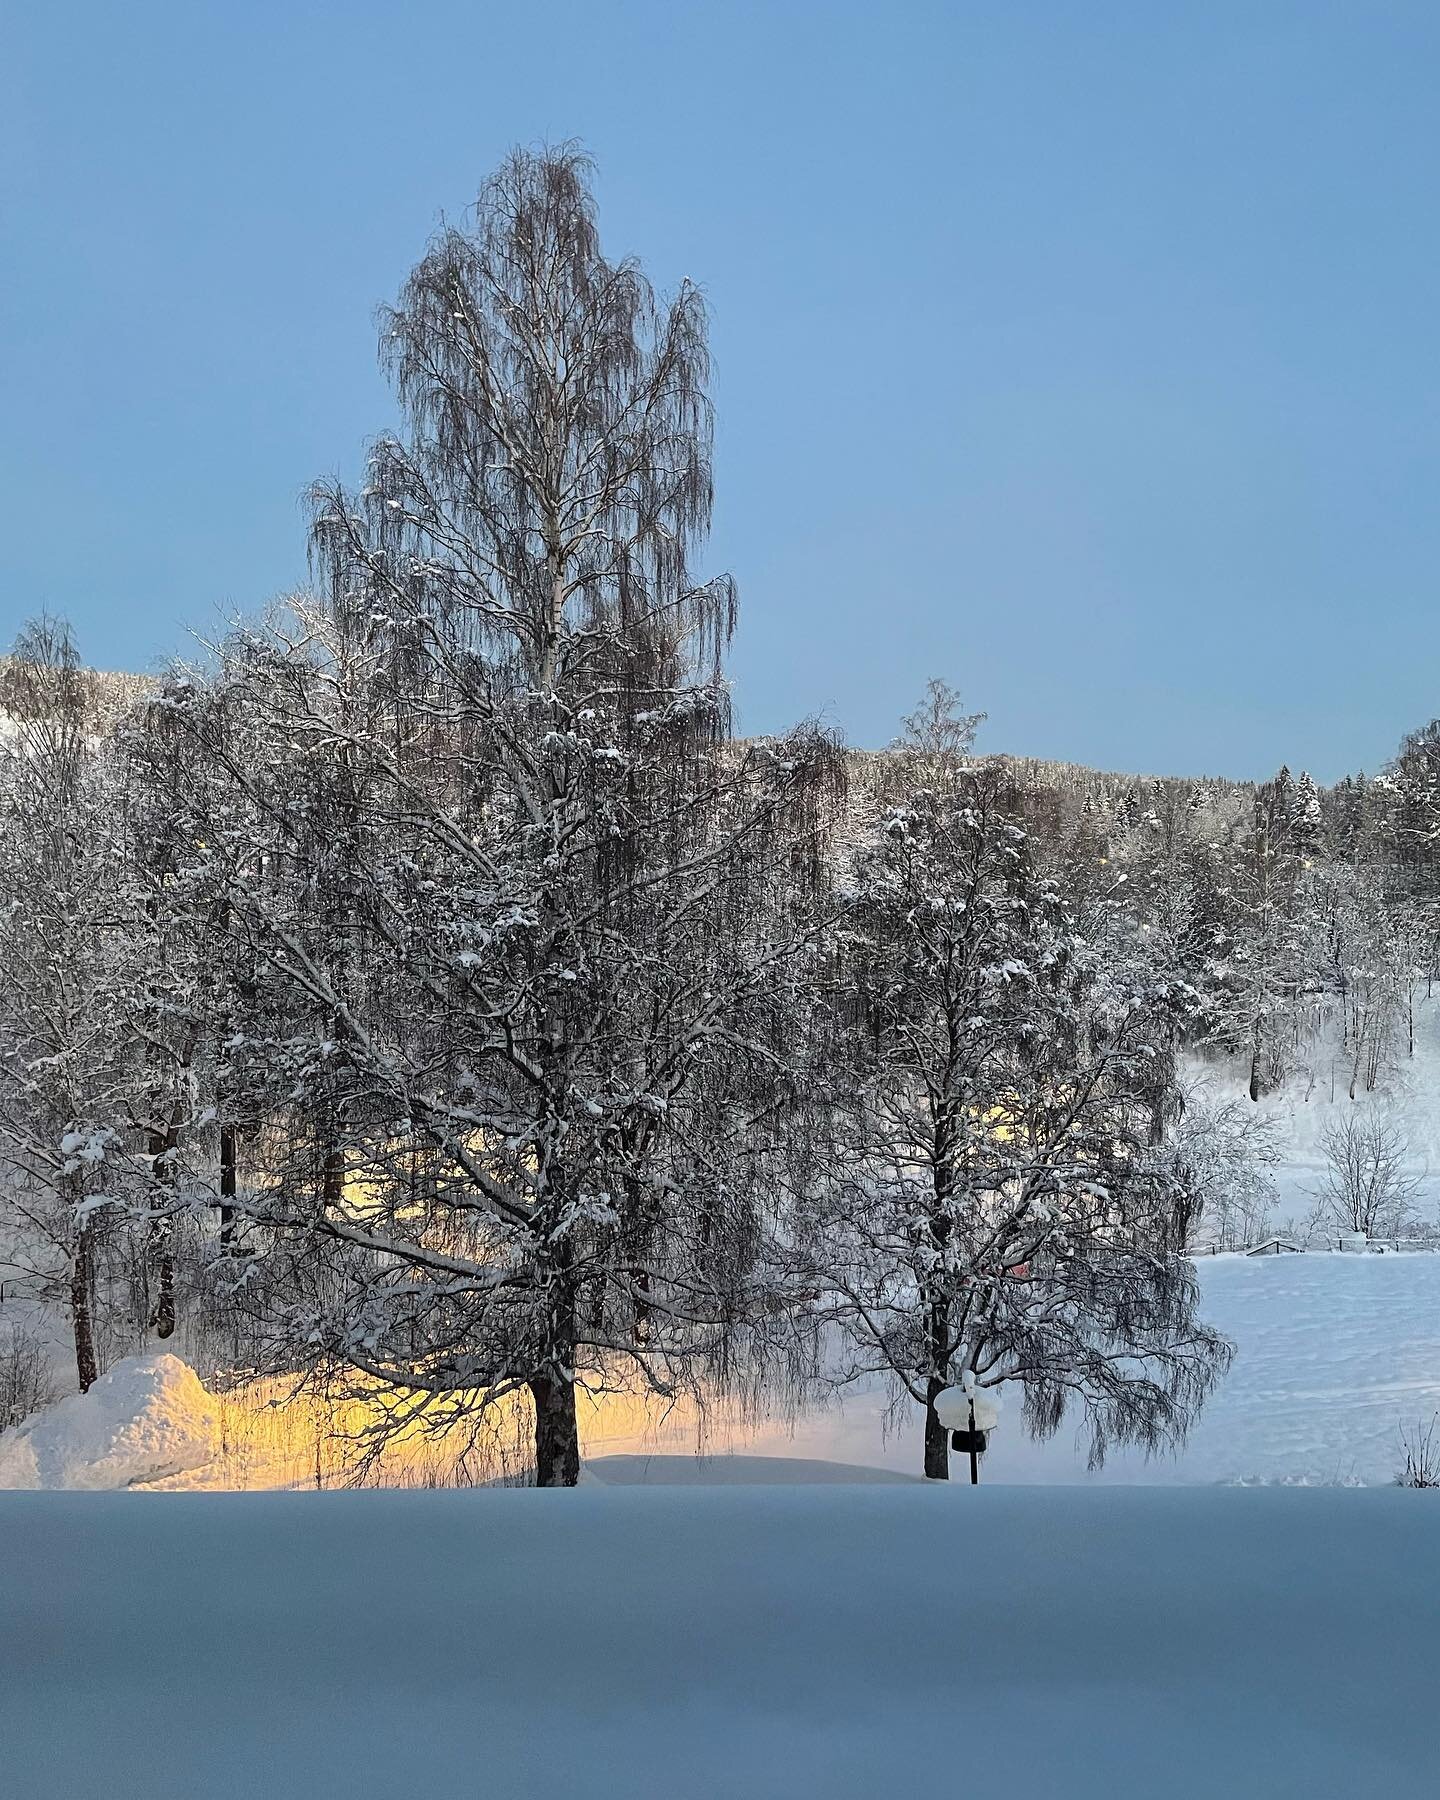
[67, 986]
[523, 921]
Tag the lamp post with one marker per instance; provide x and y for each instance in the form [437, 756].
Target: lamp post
[969, 1418]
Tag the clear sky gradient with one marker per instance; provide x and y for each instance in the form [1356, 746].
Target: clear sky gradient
[1083, 353]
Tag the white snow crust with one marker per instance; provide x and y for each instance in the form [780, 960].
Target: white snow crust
[815, 1643]
[146, 1420]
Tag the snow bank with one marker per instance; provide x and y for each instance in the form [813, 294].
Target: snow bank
[817, 1643]
[150, 1424]
[640, 1470]
[147, 1419]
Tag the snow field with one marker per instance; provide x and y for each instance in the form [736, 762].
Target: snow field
[1335, 1354]
[846, 1643]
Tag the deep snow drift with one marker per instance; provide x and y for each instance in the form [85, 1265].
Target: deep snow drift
[844, 1643]
[147, 1419]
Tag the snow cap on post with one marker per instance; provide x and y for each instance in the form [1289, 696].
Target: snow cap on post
[952, 1409]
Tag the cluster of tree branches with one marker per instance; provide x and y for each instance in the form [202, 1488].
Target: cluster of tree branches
[431, 989]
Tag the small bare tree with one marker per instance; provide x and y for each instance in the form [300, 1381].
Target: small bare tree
[1220, 1154]
[1368, 1184]
[937, 727]
[25, 1379]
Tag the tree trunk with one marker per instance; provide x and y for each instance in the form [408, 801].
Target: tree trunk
[227, 1188]
[937, 1439]
[162, 1317]
[937, 1310]
[557, 1435]
[162, 1237]
[82, 1311]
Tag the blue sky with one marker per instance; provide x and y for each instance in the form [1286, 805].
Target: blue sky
[1084, 353]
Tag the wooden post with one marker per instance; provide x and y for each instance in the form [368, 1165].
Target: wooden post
[974, 1453]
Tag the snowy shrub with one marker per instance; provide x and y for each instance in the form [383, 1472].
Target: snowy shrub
[25, 1383]
[1221, 1153]
[1422, 1456]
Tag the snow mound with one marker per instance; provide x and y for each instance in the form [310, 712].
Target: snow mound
[148, 1419]
[641, 1470]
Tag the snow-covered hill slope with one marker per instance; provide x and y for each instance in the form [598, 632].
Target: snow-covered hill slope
[1316, 1094]
[824, 1643]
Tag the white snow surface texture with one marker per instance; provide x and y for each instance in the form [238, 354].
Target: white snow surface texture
[1335, 1356]
[727, 1643]
[147, 1419]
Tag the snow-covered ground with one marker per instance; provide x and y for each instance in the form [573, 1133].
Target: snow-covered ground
[846, 1643]
[808, 1619]
[1335, 1355]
